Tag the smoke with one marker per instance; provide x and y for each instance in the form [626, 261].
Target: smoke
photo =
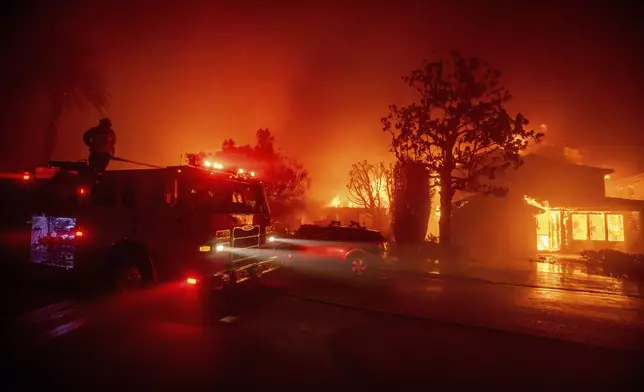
[574, 155]
[553, 150]
[319, 77]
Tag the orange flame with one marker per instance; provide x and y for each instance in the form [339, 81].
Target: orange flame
[533, 202]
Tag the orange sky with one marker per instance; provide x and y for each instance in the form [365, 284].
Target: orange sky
[320, 77]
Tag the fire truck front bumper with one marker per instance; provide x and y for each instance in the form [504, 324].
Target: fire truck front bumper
[215, 273]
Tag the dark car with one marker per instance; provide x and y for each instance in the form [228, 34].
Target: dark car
[353, 249]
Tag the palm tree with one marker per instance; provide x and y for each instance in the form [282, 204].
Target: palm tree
[69, 78]
[61, 69]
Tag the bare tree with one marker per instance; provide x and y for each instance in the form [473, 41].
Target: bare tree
[370, 187]
[459, 128]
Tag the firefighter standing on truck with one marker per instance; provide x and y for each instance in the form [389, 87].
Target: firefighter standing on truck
[101, 141]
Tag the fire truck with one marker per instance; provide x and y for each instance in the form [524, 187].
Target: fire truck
[131, 228]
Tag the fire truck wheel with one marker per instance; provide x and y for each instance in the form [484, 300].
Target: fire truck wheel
[130, 268]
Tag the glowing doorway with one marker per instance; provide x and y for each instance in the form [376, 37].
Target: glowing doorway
[549, 231]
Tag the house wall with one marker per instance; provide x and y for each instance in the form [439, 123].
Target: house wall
[629, 188]
[544, 179]
[490, 228]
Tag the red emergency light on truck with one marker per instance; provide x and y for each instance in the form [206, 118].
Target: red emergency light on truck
[135, 227]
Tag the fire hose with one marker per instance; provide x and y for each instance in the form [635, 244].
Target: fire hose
[137, 163]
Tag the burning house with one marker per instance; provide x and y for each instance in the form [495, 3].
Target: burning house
[552, 206]
[345, 212]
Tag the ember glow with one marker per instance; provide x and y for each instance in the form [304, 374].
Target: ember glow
[338, 202]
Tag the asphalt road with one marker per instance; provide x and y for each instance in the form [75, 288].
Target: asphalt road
[298, 330]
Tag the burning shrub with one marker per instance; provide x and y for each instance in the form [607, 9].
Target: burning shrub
[615, 263]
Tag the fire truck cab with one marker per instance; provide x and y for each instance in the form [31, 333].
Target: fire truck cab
[136, 227]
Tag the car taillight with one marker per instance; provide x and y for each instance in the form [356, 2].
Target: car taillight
[79, 233]
[191, 280]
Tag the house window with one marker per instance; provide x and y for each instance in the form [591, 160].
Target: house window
[579, 227]
[615, 227]
[597, 227]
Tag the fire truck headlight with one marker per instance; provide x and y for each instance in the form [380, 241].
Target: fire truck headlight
[271, 239]
[220, 248]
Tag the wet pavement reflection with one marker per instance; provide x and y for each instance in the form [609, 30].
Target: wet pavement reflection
[530, 298]
[562, 275]
[574, 276]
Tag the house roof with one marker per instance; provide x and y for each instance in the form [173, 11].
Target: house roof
[595, 204]
[540, 159]
[613, 204]
[601, 204]
[550, 160]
